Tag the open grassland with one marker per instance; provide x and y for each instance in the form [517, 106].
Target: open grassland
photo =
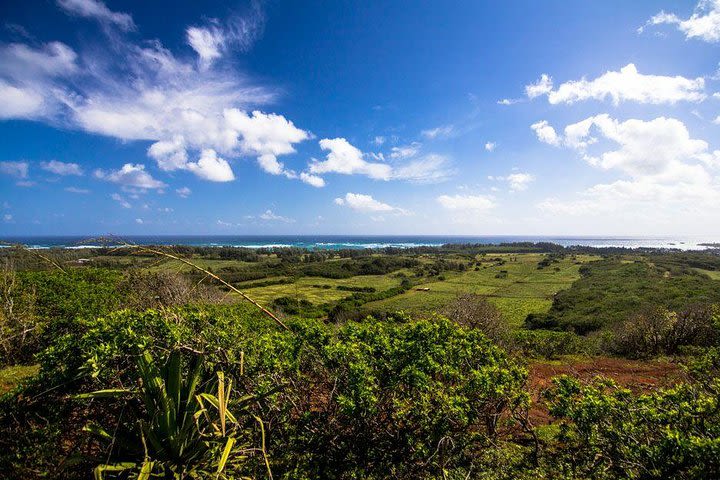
[515, 285]
[715, 275]
[318, 290]
[513, 282]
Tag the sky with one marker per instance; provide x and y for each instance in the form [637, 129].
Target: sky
[376, 117]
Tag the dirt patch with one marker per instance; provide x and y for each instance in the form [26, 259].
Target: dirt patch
[637, 375]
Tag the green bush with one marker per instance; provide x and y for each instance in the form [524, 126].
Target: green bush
[609, 433]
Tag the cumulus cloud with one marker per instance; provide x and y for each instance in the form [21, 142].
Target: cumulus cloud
[663, 166]
[367, 204]
[542, 87]
[545, 132]
[183, 192]
[646, 147]
[703, 24]
[130, 175]
[211, 167]
[466, 202]
[314, 180]
[490, 146]
[61, 168]
[142, 92]
[18, 170]
[347, 159]
[626, 85]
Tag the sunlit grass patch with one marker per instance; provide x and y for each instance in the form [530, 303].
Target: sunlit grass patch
[10, 377]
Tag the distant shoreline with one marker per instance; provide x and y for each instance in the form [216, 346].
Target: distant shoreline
[338, 242]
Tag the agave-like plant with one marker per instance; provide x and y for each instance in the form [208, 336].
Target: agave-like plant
[184, 432]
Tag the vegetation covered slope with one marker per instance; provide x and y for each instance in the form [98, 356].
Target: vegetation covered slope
[612, 290]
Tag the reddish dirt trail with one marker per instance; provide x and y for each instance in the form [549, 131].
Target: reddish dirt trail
[639, 376]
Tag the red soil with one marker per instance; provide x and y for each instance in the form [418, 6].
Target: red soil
[639, 376]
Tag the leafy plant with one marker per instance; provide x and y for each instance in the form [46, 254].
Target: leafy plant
[185, 432]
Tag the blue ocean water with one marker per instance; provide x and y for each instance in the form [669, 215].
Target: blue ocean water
[335, 242]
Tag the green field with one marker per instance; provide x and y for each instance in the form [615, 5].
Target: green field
[715, 275]
[310, 288]
[523, 289]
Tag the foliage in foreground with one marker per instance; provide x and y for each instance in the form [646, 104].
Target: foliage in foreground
[607, 432]
[409, 399]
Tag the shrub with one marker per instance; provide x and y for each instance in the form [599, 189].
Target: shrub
[401, 392]
[474, 311]
[609, 433]
[659, 331]
[548, 344]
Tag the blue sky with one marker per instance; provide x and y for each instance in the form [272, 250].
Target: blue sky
[556, 117]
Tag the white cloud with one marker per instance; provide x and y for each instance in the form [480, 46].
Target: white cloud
[139, 221]
[19, 102]
[15, 169]
[655, 147]
[27, 75]
[207, 42]
[431, 168]
[466, 202]
[313, 180]
[61, 168]
[8, 217]
[366, 203]
[264, 133]
[490, 146]
[170, 154]
[704, 23]
[627, 85]
[77, 190]
[119, 198]
[542, 87]
[130, 175]
[346, 159]
[211, 167]
[141, 91]
[666, 170]
[439, 132]
[572, 208]
[270, 216]
[183, 192]
[405, 151]
[517, 182]
[98, 11]
[545, 132]
[509, 101]
[24, 64]
[378, 140]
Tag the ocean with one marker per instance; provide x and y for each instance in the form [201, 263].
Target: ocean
[335, 242]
